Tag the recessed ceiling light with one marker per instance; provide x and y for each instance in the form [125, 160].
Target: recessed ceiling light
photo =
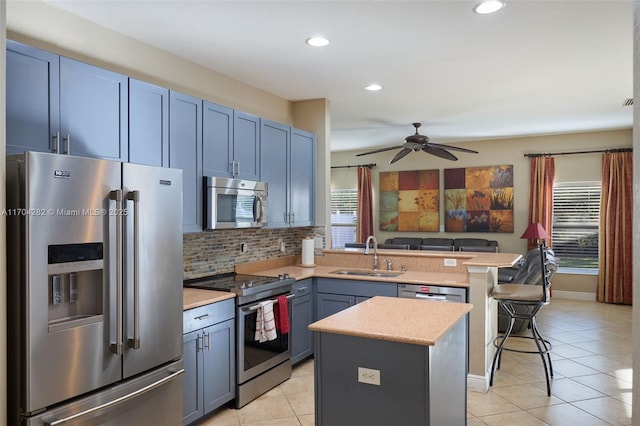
[488, 6]
[374, 87]
[317, 41]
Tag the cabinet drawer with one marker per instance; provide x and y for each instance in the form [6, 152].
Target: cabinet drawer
[356, 288]
[301, 288]
[204, 316]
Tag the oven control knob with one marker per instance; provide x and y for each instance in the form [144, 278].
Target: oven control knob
[285, 276]
[250, 284]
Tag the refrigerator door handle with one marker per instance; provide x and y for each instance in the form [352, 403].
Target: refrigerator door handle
[116, 401]
[134, 342]
[116, 347]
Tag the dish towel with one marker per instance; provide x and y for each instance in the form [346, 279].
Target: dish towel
[265, 323]
[281, 314]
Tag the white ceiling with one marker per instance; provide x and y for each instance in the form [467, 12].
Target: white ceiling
[536, 67]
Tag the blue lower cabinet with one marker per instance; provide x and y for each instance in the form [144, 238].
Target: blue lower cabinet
[335, 295]
[209, 359]
[301, 317]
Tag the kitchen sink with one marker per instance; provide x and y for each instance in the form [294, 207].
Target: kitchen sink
[385, 274]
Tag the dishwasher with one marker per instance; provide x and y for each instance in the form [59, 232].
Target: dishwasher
[432, 292]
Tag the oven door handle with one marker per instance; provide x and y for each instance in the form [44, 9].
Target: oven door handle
[254, 307]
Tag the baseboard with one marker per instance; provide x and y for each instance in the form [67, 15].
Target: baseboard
[573, 295]
[477, 383]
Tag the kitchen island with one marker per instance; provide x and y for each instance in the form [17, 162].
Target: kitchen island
[392, 361]
[475, 272]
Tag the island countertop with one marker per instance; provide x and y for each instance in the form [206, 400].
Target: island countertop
[412, 321]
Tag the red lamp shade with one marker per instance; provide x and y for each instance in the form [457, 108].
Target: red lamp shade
[535, 231]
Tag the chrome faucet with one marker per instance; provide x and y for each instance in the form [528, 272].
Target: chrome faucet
[375, 250]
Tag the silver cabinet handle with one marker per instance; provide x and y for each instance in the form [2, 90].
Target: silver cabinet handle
[134, 342]
[201, 317]
[56, 143]
[207, 341]
[302, 288]
[293, 217]
[116, 347]
[68, 141]
[237, 168]
[116, 401]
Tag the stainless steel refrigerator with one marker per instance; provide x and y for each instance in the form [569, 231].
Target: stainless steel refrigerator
[94, 292]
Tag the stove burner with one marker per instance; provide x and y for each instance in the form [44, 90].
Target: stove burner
[246, 287]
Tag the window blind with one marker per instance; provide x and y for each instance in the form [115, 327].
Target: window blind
[576, 217]
[344, 209]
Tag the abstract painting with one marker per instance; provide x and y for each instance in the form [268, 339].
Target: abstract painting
[410, 201]
[479, 199]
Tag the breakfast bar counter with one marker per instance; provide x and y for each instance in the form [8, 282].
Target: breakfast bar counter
[392, 361]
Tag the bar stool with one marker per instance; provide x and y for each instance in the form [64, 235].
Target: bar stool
[533, 298]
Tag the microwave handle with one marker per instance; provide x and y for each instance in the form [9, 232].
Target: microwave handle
[257, 208]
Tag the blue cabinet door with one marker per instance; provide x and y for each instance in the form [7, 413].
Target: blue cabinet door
[148, 124]
[217, 140]
[93, 111]
[32, 103]
[274, 158]
[219, 365]
[192, 407]
[246, 146]
[185, 152]
[328, 304]
[301, 336]
[302, 178]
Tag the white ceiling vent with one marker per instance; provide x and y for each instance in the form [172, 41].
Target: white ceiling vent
[628, 102]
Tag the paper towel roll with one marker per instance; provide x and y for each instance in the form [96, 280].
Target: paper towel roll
[307, 252]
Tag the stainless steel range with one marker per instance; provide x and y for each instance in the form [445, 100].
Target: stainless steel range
[260, 365]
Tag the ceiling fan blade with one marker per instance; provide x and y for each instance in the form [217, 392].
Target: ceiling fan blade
[453, 148]
[400, 155]
[439, 152]
[379, 150]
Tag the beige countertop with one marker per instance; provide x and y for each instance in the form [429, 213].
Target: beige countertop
[419, 322]
[409, 277]
[193, 297]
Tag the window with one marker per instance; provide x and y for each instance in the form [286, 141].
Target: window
[576, 216]
[344, 208]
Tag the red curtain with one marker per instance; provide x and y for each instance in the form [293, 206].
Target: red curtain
[543, 171]
[616, 209]
[364, 226]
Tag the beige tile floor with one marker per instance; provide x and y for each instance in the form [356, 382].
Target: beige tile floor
[592, 378]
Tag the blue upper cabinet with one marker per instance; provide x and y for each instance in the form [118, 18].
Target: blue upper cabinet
[185, 152]
[246, 146]
[33, 106]
[302, 166]
[217, 140]
[148, 124]
[287, 158]
[57, 104]
[274, 155]
[231, 143]
[93, 111]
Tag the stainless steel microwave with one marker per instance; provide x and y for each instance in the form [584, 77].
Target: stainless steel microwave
[235, 203]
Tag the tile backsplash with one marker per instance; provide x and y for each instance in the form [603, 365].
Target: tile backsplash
[217, 252]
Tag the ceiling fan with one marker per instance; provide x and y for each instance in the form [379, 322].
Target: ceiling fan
[420, 142]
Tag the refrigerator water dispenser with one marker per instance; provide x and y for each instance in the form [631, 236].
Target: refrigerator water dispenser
[75, 285]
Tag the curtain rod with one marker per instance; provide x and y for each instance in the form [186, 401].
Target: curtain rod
[595, 151]
[370, 165]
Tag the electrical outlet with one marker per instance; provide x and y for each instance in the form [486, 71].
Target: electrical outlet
[369, 376]
[451, 262]
[244, 247]
[317, 242]
[282, 247]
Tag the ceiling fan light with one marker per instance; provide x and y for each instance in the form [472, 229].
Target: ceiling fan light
[488, 6]
[373, 87]
[317, 41]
